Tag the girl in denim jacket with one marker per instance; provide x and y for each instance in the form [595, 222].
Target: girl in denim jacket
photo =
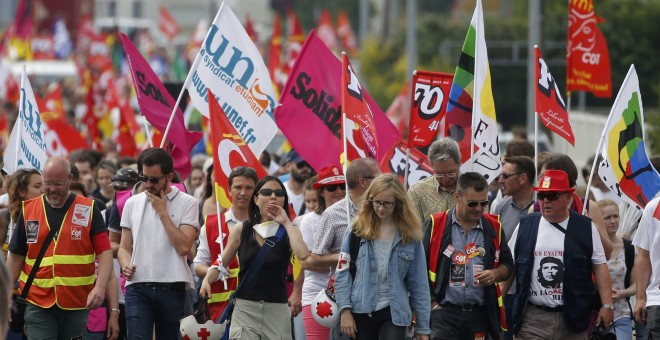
[390, 280]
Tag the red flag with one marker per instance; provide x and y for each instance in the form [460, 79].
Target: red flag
[51, 106]
[587, 56]
[398, 110]
[548, 102]
[125, 137]
[229, 151]
[156, 105]
[295, 41]
[395, 162]
[91, 121]
[358, 126]
[62, 138]
[325, 30]
[43, 47]
[429, 105]
[345, 33]
[274, 55]
[249, 28]
[167, 24]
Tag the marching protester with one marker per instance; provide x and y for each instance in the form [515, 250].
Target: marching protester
[242, 181]
[467, 257]
[261, 309]
[103, 177]
[553, 277]
[620, 265]
[67, 224]
[389, 284]
[299, 172]
[647, 269]
[159, 227]
[435, 193]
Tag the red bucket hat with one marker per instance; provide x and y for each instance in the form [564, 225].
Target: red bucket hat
[555, 181]
[330, 175]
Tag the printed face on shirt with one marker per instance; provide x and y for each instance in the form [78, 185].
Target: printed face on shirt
[241, 190]
[551, 272]
[34, 188]
[464, 212]
[611, 218]
[446, 173]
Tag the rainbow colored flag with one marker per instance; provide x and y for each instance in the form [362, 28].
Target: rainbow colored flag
[626, 168]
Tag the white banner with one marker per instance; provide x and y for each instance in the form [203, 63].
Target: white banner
[26, 148]
[230, 65]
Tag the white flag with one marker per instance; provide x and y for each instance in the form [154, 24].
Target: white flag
[230, 65]
[26, 148]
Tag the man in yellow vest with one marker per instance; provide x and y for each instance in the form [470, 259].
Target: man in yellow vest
[467, 256]
[242, 181]
[65, 286]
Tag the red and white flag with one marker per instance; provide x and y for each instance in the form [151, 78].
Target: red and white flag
[428, 106]
[359, 128]
[326, 31]
[345, 33]
[229, 151]
[167, 24]
[548, 102]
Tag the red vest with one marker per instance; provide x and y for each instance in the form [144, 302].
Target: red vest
[439, 222]
[67, 272]
[220, 295]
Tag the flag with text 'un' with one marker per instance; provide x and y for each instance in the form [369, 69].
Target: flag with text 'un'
[26, 148]
[229, 64]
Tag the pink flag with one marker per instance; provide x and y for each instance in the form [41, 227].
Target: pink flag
[311, 107]
[156, 105]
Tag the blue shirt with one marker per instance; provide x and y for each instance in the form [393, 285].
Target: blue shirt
[468, 293]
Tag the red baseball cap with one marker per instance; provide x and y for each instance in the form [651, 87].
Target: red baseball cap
[330, 175]
[554, 181]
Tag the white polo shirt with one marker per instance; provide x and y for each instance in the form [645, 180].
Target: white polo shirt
[155, 258]
[648, 238]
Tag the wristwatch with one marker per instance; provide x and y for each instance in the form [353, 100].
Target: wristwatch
[115, 310]
[608, 306]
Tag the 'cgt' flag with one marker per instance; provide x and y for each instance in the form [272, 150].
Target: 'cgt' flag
[428, 106]
[359, 128]
[626, 168]
[229, 151]
[587, 56]
[229, 64]
[471, 109]
[395, 162]
[548, 102]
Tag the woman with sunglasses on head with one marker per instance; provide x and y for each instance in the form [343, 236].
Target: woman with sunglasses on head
[390, 282]
[261, 309]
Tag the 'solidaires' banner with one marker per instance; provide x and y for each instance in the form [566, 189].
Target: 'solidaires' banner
[548, 102]
[310, 115]
[471, 109]
[626, 168]
[26, 148]
[229, 64]
[428, 107]
[229, 152]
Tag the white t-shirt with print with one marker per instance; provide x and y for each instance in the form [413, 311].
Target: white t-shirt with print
[648, 238]
[546, 287]
[314, 281]
[296, 201]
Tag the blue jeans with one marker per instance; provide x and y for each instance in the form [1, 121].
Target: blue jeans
[157, 306]
[622, 327]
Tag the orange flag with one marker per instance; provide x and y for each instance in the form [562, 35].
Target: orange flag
[229, 151]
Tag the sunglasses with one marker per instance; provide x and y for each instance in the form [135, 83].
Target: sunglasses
[474, 204]
[334, 187]
[303, 164]
[550, 196]
[506, 176]
[153, 180]
[269, 192]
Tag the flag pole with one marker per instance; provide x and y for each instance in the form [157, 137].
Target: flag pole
[536, 119]
[474, 85]
[149, 136]
[185, 83]
[410, 96]
[222, 235]
[18, 121]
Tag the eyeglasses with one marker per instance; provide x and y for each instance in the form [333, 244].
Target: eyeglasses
[450, 175]
[302, 164]
[474, 204]
[506, 176]
[334, 187]
[384, 204]
[550, 196]
[269, 192]
[153, 180]
[55, 184]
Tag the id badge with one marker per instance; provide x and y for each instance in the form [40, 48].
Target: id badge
[457, 277]
[476, 269]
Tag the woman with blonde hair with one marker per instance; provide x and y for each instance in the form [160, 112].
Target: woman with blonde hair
[380, 304]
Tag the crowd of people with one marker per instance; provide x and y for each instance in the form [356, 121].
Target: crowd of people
[110, 249]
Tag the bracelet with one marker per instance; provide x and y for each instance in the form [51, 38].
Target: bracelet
[436, 307]
[115, 310]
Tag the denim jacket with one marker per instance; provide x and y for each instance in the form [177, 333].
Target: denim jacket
[406, 276]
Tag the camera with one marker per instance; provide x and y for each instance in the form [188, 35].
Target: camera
[599, 333]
